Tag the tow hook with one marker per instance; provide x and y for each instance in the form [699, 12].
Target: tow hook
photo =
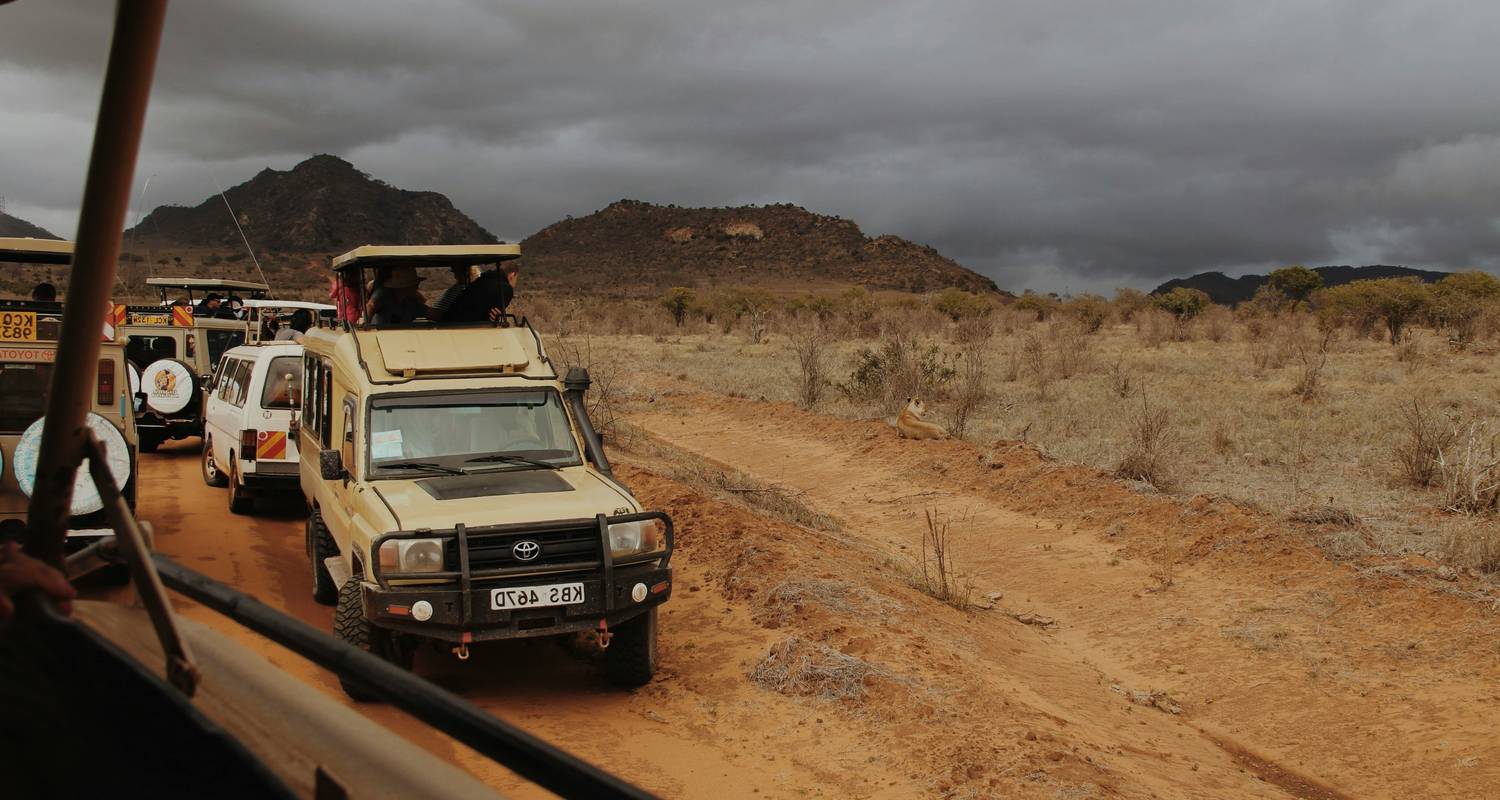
[604, 635]
[462, 651]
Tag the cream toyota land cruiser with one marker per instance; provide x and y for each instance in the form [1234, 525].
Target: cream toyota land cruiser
[457, 490]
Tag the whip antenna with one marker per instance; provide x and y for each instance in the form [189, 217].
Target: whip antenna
[244, 239]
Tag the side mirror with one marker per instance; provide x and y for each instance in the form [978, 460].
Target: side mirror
[330, 465]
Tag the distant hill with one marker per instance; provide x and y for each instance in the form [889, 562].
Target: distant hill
[323, 205]
[636, 247]
[1225, 290]
[15, 226]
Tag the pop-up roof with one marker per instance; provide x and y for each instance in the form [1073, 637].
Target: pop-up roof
[207, 284]
[429, 255]
[25, 250]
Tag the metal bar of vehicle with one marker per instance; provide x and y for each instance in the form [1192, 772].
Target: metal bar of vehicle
[106, 197]
[530, 757]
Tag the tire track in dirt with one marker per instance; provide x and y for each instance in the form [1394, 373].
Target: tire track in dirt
[1331, 677]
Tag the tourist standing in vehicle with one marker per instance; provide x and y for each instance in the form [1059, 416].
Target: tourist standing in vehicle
[398, 301]
[44, 293]
[208, 306]
[485, 299]
[298, 325]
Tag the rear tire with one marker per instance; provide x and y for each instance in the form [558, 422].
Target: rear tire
[631, 658]
[212, 475]
[319, 547]
[239, 501]
[351, 626]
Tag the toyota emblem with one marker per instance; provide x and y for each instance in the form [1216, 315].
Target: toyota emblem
[526, 550]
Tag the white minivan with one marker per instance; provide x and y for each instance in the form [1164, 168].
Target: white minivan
[250, 418]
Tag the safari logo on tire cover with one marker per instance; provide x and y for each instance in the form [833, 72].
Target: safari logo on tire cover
[526, 550]
[169, 386]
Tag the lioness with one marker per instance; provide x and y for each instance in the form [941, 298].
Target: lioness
[909, 425]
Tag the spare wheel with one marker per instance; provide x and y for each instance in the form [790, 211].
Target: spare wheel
[170, 386]
[85, 496]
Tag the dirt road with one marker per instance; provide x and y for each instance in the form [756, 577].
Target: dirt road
[1194, 650]
[1324, 679]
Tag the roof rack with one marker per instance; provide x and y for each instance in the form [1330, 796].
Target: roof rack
[26, 250]
[207, 283]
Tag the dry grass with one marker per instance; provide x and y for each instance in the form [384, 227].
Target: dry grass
[841, 597]
[937, 572]
[1146, 456]
[799, 667]
[1238, 428]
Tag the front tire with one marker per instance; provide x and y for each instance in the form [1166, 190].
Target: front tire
[239, 501]
[631, 659]
[211, 472]
[351, 626]
[320, 546]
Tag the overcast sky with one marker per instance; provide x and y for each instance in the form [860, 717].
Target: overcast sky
[1067, 146]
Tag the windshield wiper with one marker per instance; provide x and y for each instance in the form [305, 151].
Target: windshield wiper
[510, 459]
[427, 465]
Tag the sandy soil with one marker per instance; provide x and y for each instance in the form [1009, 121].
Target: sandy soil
[1198, 650]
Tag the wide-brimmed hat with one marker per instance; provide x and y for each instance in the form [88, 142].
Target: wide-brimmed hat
[403, 278]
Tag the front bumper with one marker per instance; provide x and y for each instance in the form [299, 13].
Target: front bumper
[460, 600]
[390, 608]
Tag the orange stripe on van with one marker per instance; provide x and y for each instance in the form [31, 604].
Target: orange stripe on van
[270, 444]
[182, 316]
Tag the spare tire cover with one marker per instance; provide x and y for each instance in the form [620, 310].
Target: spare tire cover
[170, 386]
[135, 385]
[85, 496]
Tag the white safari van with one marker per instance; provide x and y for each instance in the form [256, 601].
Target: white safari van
[250, 409]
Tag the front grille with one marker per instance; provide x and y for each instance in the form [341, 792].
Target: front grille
[494, 550]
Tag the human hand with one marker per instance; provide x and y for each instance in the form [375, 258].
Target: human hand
[20, 572]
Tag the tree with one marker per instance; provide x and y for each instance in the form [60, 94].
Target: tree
[1396, 302]
[1129, 301]
[1183, 303]
[1296, 282]
[1041, 305]
[677, 300]
[958, 304]
[1459, 300]
[1091, 310]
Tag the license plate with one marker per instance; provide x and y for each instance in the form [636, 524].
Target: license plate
[150, 319]
[558, 594]
[18, 326]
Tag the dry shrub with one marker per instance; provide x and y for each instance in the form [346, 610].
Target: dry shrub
[973, 390]
[811, 347]
[798, 667]
[973, 332]
[1424, 436]
[937, 573]
[1470, 471]
[1324, 515]
[1221, 439]
[841, 597]
[600, 399]
[1070, 354]
[1409, 354]
[1475, 545]
[1312, 359]
[1119, 379]
[1151, 435]
[903, 367]
[1154, 326]
[1216, 323]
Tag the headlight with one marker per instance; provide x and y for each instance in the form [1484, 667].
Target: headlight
[412, 555]
[636, 538]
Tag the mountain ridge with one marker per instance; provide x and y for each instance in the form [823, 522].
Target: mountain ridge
[1228, 291]
[15, 226]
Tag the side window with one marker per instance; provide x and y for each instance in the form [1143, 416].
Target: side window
[310, 397]
[225, 388]
[346, 445]
[325, 381]
[242, 374]
[219, 341]
[212, 389]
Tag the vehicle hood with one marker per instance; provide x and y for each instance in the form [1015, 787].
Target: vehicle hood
[502, 497]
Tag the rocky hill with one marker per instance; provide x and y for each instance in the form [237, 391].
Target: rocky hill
[15, 226]
[323, 205]
[1225, 290]
[639, 247]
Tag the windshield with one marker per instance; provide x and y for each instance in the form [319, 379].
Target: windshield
[473, 432]
[143, 350]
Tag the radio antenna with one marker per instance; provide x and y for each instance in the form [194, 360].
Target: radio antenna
[244, 239]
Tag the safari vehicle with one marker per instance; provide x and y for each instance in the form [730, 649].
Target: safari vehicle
[172, 352]
[28, 349]
[250, 411]
[458, 492]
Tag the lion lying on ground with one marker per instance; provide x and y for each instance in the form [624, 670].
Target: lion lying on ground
[910, 425]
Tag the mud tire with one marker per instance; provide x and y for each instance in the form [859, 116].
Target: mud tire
[212, 475]
[239, 501]
[320, 546]
[631, 659]
[351, 626]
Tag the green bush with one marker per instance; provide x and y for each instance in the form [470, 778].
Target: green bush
[958, 304]
[1182, 303]
[677, 300]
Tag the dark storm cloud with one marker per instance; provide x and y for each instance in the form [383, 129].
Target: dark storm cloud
[1060, 145]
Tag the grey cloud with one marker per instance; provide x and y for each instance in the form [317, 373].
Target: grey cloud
[1050, 145]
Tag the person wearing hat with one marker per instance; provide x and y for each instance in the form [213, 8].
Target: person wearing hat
[397, 300]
